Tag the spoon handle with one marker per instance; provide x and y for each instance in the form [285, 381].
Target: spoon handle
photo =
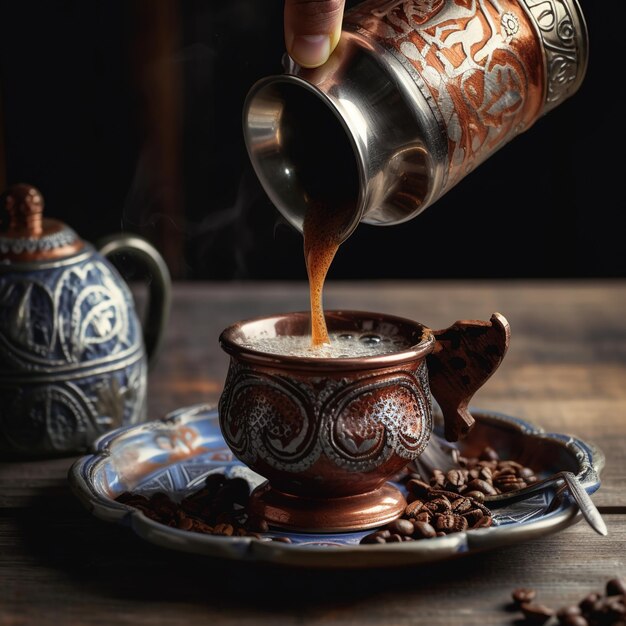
[585, 504]
[587, 508]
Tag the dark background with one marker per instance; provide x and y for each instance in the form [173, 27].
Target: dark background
[127, 116]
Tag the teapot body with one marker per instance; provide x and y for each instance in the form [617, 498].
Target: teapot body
[72, 358]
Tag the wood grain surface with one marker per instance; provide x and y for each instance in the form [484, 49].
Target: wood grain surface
[565, 371]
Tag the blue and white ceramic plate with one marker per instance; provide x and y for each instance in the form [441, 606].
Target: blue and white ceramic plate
[176, 453]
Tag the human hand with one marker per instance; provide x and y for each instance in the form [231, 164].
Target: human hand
[312, 29]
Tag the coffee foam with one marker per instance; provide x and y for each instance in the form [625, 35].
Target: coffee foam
[341, 346]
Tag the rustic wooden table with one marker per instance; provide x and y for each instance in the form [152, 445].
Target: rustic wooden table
[565, 370]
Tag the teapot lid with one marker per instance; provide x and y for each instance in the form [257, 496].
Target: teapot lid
[29, 236]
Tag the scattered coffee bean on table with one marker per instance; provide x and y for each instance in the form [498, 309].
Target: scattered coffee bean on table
[595, 609]
[523, 595]
[432, 513]
[218, 508]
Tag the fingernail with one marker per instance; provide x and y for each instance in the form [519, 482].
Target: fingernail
[310, 50]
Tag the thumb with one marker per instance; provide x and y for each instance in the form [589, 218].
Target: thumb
[312, 29]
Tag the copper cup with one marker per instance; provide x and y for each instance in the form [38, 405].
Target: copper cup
[328, 433]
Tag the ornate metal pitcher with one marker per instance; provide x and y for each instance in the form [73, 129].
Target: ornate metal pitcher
[416, 95]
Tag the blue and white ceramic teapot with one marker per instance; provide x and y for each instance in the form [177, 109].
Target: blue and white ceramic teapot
[73, 355]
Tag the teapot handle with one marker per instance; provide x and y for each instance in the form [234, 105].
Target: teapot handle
[159, 284]
[465, 355]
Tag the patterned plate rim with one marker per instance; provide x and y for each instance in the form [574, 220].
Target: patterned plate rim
[589, 458]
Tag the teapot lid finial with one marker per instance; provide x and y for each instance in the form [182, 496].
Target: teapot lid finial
[29, 236]
[24, 205]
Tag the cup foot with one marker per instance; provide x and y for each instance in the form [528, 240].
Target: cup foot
[349, 513]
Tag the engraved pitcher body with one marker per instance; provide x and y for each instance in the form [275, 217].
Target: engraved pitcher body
[416, 95]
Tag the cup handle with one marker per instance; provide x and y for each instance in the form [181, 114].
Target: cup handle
[159, 285]
[465, 355]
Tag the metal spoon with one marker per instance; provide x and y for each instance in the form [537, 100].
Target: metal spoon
[563, 479]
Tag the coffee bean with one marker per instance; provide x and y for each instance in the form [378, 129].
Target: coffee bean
[616, 587]
[440, 504]
[402, 527]
[461, 505]
[483, 486]
[508, 483]
[485, 473]
[478, 496]
[536, 613]
[424, 530]
[450, 496]
[527, 474]
[457, 477]
[505, 471]
[450, 523]
[588, 602]
[523, 595]
[414, 508]
[373, 538]
[424, 516]
[282, 539]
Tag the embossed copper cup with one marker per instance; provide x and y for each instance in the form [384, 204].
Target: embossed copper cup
[328, 433]
[416, 95]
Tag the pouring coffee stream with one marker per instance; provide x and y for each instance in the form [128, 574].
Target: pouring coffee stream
[321, 242]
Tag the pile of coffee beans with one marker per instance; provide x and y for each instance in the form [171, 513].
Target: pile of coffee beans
[477, 477]
[596, 609]
[432, 513]
[218, 508]
[442, 504]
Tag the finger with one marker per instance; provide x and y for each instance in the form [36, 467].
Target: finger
[312, 29]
